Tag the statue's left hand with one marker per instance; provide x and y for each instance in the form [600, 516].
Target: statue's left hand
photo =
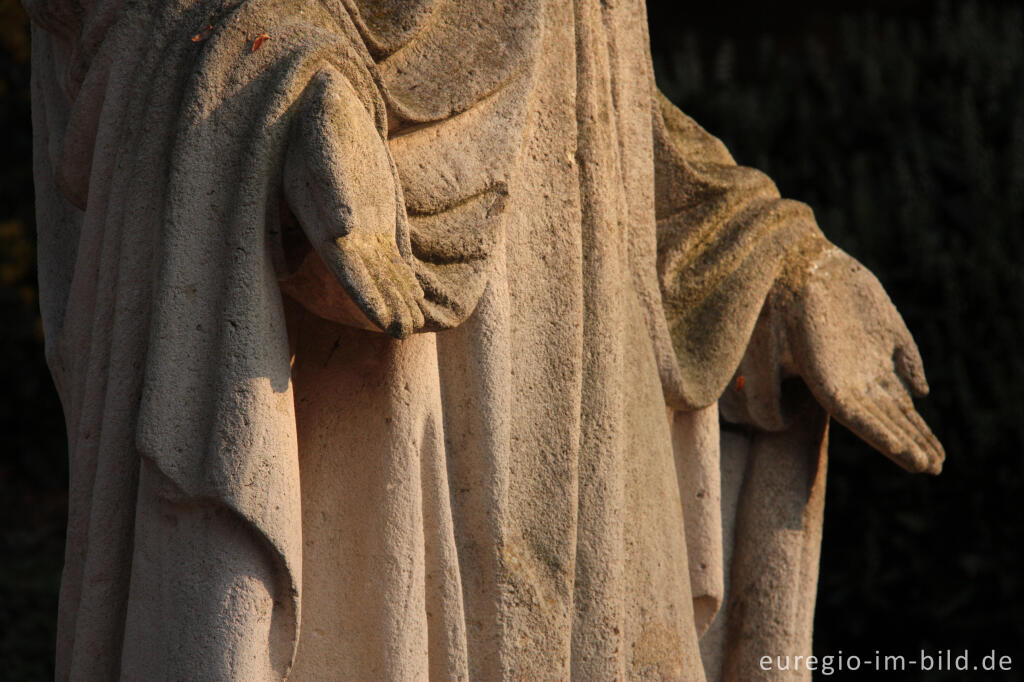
[341, 184]
[854, 352]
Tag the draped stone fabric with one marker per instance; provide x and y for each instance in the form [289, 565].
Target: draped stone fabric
[525, 478]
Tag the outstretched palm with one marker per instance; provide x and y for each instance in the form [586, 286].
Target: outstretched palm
[342, 186]
[854, 352]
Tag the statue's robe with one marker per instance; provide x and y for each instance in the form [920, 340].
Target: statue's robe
[260, 484]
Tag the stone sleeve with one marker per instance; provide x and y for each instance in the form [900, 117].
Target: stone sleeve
[725, 238]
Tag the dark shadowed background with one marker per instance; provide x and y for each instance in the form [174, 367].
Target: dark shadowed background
[901, 123]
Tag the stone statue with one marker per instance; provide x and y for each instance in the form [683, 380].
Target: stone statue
[424, 339]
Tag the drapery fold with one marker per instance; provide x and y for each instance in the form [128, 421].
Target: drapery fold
[753, 494]
[724, 235]
[498, 496]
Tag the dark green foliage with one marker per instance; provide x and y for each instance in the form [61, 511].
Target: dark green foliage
[907, 138]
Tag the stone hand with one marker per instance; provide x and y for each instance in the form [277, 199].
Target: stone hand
[340, 182]
[854, 352]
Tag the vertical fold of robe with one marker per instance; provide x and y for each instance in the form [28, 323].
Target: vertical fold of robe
[168, 337]
[753, 499]
[502, 499]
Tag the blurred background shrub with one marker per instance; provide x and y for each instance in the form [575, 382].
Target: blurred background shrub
[905, 132]
[902, 124]
[33, 468]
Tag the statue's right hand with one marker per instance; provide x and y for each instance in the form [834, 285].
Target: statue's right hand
[341, 185]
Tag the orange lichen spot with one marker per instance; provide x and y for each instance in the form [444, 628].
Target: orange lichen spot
[739, 382]
[260, 39]
[203, 34]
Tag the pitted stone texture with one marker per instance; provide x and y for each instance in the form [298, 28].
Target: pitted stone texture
[391, 346]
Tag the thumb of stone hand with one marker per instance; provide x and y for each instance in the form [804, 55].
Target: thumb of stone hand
[340, 183]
